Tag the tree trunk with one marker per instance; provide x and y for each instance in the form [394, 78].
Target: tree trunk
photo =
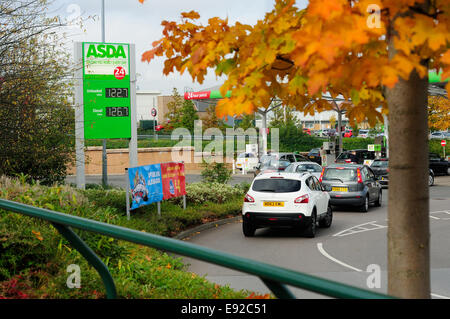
[408, 212]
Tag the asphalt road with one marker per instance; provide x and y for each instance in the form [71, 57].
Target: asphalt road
[341, 253]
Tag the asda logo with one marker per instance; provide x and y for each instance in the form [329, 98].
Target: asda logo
[106, 51]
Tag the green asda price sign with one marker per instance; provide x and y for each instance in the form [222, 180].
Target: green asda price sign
[106, 90]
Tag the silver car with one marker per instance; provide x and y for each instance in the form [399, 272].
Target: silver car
[302, 167]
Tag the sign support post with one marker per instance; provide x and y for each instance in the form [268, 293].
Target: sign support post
[79, 118]
[127, 179]
[132, 147]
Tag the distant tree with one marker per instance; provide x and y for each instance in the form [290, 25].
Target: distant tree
[247, 121]
[173, 114]
[36, 115]
[188, 115]
[211, 119]
[283, 116]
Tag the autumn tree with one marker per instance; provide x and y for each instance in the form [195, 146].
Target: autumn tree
[370, 54]
[438, 113]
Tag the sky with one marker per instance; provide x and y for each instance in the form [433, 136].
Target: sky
[129, 21]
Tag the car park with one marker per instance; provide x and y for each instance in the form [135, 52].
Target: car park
[303, 167]
[286, 199]
[359, 156]
[350, 184]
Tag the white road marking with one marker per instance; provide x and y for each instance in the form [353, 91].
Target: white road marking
[359, 229]
[324, 253]
[439, 296]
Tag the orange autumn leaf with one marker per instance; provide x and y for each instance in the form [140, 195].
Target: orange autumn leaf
[37, 235]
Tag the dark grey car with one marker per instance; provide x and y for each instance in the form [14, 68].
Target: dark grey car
[350, 184]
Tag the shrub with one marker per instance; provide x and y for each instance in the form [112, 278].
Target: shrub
[216, 173]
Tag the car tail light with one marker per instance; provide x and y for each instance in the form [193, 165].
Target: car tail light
[359, 175]
[348, 161]
[302, 199]
[248, 199]
[321, 175]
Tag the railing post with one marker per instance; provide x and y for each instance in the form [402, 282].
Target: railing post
[90, 256]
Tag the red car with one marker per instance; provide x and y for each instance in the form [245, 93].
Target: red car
[307, 131]
[348, 133]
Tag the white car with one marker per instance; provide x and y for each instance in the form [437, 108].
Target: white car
[247, 160]
[286, 199]
[363, 133]
[302, 167]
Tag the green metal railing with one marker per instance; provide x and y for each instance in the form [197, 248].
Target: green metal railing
[274, 277]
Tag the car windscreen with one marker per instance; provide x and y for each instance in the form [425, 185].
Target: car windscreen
[383, 164]
[266, 158]
[276, 185]
[340, 174]
[309, 168]
[345, 156]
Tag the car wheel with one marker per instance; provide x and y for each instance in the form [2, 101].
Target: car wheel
[430, 180]
[327, 220]
[248, 229]
[365, 206]
[379, 200]
[310, 232]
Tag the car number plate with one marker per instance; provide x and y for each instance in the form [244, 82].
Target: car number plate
[339, 189]
[311, 157]
[382, 178]
[273, 204]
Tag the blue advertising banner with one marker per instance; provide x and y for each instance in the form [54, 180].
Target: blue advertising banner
[146, 185]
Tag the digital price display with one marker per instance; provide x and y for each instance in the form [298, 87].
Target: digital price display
[117, 111]
[116, 92]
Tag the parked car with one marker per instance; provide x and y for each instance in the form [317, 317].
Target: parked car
[331, 132]
[348, 133]
[356, 157]
[314, 156]
[274, 165]
[438, 164]
[363, 133]
[438, 135]
[350, 184]
[303, 167]
[250, 161]
[286, 199]
[380, 167]
[307, 131]
[291, 157]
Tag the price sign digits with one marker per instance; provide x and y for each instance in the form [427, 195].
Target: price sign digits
[117, 111]
[116, 92]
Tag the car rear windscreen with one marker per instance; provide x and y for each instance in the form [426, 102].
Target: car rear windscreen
[276, 185]
[342, 174]
[383, 164]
